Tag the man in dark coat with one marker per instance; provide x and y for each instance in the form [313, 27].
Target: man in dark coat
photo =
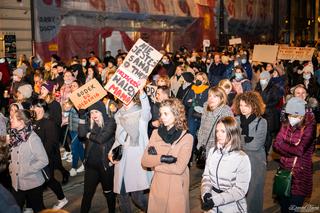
[216, 71]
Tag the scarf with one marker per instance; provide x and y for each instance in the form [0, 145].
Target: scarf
[199, 89]
[245, 123]
[19, 136]
[169, 136]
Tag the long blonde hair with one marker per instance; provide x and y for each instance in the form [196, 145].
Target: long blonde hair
[100, 122]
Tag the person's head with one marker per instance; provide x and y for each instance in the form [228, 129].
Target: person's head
[226, 85]
[91, 72]
[264, 78]
[46, 89]
[68, 77]
[179, 70]
[119, 60]
[61, 68]
[40, 107]
[217, 58]
[295, 110]
[38, 79]
[165, 59]
[84, 62]
[239, 73]
[110, 64]
[201, 79]
[225, 59]
[109, 75]
[216, 98]
[24, 92]
[92, 54]
[20, 119]
[108, 53]
[172, 113]
[269, 67]
[228, 134]
[18, 75]
[299, 91]
[13, 108]
[98, 114]
[162, 93]
[249, 103]
[75, 85]
[163, 80]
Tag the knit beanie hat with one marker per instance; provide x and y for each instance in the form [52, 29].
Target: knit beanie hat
[296, 106]
[99, 106]
[48, 85]
[188, 77]
[25, 90]
[265, 75]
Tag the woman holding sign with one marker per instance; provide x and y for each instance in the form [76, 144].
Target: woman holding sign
[100, 137]
[132, 133]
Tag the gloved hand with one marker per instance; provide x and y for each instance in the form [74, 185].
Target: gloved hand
[248, 139]
[207, 202]
[82, 113]
[168, 159]
[152, 150]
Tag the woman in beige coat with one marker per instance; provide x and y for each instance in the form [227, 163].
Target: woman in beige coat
[168, 154]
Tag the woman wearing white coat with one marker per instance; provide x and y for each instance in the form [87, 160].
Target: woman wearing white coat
[130, 178]
[227, 173]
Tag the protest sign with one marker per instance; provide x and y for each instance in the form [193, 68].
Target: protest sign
[295, 53]
[234, 41]
[87, 94]
[265, 53]
[151, 91]
[206, 43]
[138, 64]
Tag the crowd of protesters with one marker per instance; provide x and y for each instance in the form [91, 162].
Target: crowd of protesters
[221, 102]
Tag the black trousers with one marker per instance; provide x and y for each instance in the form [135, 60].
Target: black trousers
[54, 185]
[34, 198]
[95, 174]
[288, 204]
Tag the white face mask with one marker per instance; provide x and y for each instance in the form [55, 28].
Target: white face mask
[243, 61]
[306, 76]
[92, 63]
[2, 60]
[263, 82]
[84, 64]
[238, 76]
[294, 121]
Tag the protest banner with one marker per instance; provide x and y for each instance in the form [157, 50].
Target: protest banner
[87, 94]
[265, 53]
[138, 64]
[295, 53]
[234, 41]
[151, 91]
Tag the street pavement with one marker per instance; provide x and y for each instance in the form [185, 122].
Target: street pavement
[74, 191]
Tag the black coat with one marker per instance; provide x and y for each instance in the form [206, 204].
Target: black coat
[271, 97]
[216, 73]
[99, 142]
[55, 113]
[48, 133]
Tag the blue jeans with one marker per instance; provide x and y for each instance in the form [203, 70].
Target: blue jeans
[76, 149]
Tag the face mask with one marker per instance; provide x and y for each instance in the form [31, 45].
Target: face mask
[306, 76]
[92, 63]
[263, 82]
[243, 61]
[238, 76]
[68, 82]
[165, 61]
[66, 114]
[15, 78]
[84, 64]
[294, 121]
[198, 82]
[2, 60]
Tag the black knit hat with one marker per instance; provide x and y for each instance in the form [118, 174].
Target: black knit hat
[99, 106]
[188, 77]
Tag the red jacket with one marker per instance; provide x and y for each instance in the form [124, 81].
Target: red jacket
[297, 142]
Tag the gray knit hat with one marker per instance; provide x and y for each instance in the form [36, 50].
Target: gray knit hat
[296, 106]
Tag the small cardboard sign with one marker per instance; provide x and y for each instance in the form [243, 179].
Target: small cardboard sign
[295, 53]
[206, 43]
[151, 91]
[88, 94]
[234, 41]
[138, 64]
[265, 53]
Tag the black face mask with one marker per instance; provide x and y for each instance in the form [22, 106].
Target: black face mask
[198, 82]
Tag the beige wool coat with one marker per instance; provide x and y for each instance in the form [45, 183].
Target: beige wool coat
[169, 192]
